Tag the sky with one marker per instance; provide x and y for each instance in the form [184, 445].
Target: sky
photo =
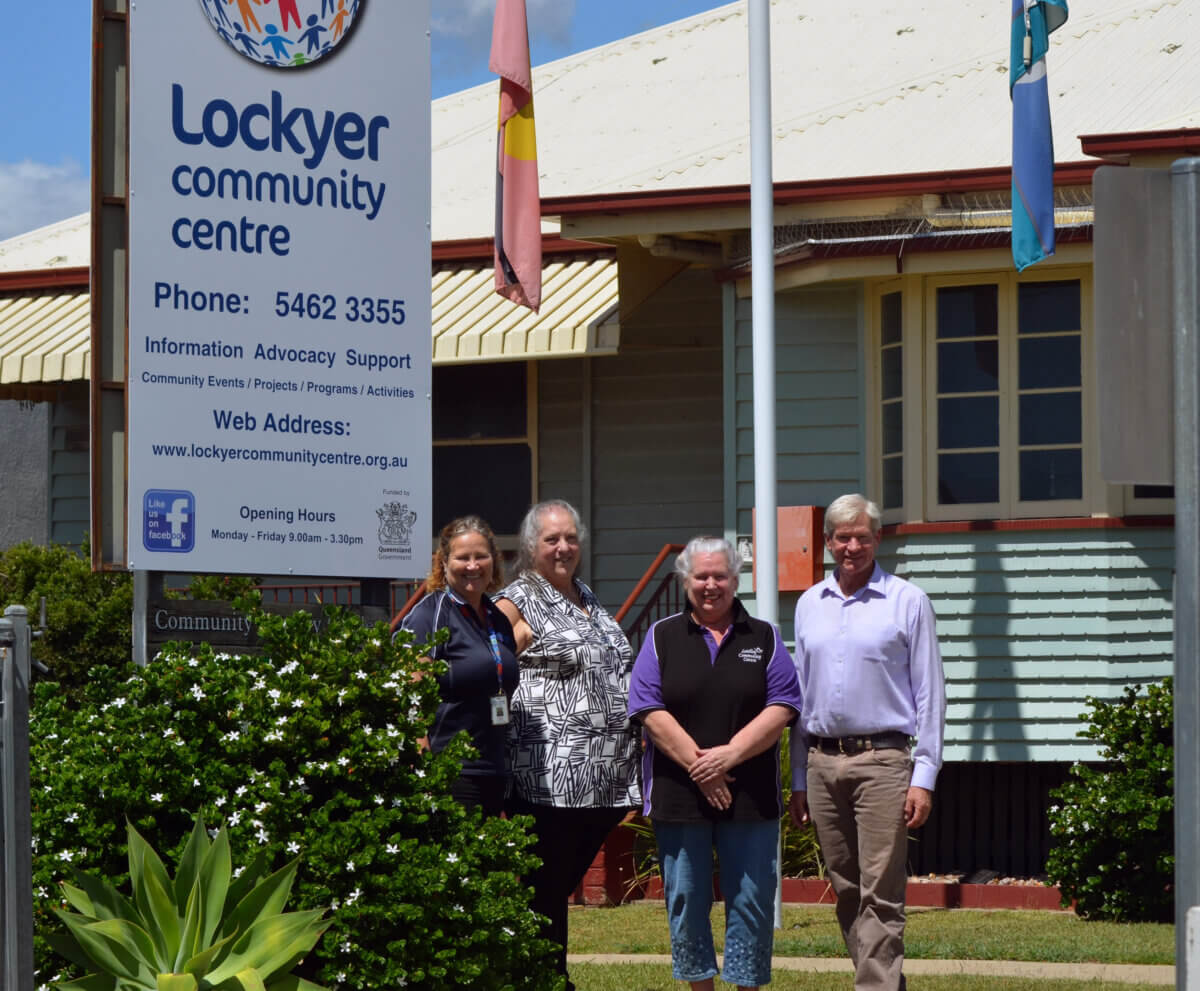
[45, 77]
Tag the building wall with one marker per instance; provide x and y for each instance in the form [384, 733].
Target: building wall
[24, 460]
[818, 409]
[69, 468]
[1031, 623]
[635, 439]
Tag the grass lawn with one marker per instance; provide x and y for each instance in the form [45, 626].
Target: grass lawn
[649, 977]
[957, 934]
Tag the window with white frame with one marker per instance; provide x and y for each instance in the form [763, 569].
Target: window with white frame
[891, 400]
[984, 401]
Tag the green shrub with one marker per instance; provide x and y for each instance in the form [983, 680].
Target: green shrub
[1112, 826]
[309, 749]
[88, 614]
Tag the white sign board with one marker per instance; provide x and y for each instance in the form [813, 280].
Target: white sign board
[279, 295]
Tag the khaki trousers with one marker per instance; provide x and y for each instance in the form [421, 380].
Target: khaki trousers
[857, 805]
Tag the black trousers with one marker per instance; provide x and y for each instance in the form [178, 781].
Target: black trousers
[480, 791]
[567, 841]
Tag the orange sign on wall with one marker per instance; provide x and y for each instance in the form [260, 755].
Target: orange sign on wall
[801, 547]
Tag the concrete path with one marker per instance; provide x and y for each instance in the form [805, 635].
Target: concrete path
[1122, 973]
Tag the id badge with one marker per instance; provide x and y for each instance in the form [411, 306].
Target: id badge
[499, 710]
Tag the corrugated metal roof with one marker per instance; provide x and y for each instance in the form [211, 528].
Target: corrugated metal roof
[578, 315]
[867, 89]
[65, 244]
[45, 337]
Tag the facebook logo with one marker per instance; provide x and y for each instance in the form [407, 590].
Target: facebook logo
[169, 520]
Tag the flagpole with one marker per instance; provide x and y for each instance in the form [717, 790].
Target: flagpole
[762, 257]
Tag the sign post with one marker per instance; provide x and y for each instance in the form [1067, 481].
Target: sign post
[279, 347]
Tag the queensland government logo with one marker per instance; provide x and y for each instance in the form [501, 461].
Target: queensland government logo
[395, 528]
[284, 34]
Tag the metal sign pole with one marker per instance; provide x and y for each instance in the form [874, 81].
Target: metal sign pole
[17, 885]
[1185, 228]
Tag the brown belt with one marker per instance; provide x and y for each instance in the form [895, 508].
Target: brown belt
[851, 745]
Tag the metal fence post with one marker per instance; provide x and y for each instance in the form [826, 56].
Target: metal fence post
[16, 889]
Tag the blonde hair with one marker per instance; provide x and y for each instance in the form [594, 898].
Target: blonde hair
[441, 554]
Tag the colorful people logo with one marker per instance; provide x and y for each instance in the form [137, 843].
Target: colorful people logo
[283, 34]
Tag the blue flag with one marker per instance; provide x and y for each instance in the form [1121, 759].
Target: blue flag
[1033, 144]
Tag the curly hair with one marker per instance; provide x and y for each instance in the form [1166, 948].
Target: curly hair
[441, 554]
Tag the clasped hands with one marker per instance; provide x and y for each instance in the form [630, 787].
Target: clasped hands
[710, 771]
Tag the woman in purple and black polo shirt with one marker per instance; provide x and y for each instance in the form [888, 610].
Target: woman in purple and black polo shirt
[714, 689]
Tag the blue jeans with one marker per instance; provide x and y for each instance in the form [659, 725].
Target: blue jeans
[749, 864]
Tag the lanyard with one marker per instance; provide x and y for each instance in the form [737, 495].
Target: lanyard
[492, 640]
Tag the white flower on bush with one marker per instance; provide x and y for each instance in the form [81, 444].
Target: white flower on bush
[293, 847]
[391, 848]
[452, 858]
[350, 866]
[156, 796]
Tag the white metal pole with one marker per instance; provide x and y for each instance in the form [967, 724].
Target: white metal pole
[762, 258]
[1185, 225]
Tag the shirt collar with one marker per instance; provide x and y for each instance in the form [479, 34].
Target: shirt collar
[876, 585]
[740, 617]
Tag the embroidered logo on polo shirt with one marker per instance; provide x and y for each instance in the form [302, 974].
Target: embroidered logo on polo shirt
[751, 655]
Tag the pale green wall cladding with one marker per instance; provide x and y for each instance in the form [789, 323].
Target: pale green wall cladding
[818, 407]
[1032, 623]
[70, 491]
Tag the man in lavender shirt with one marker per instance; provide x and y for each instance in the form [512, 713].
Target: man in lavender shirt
[871, 676]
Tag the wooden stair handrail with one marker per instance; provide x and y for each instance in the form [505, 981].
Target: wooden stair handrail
[417, 596]
[647, 578]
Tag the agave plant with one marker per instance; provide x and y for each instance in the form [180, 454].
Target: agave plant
[202, 931]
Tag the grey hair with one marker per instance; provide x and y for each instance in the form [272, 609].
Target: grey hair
[846, 509]
[531, 530]
[708, 545]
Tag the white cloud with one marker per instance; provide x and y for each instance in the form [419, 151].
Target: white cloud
[462, 32]
[34, 194]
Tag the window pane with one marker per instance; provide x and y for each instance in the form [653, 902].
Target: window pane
[892, 361]
[971, 422]
[893, 483]
[965, 478]
[473, 401]
[889, 318]
[489, 479]
[1049, 362]
[1051, 418]
[893, 428]
[967, 311]
[1048, 306]
[1154, 491]
[969, 366]
[1051, 475]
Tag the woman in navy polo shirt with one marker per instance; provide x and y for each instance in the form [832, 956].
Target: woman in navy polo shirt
[714, 689]
[481, 664]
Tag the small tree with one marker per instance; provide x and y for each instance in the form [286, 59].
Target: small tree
[87, 613]
[1113, 826]
[309, 749]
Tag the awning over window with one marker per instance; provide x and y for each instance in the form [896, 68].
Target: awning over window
[578, 315]
[45, 335]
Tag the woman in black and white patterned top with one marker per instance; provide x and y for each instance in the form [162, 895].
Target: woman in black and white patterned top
[572, 756]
